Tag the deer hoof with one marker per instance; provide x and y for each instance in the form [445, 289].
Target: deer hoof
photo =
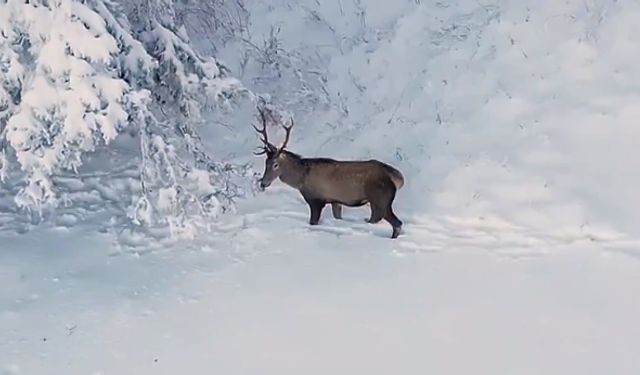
[396, 232]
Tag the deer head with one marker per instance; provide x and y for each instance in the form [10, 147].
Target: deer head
[272, 167]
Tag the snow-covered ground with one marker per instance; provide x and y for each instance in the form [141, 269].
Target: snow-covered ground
[515, 124]
[272, 296]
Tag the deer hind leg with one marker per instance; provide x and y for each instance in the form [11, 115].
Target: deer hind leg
[336, 208]
[396, 223]
[384, 194]
[377, 213]
[379, 194]
[391, 217]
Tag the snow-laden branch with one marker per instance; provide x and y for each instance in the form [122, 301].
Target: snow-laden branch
[74, 74]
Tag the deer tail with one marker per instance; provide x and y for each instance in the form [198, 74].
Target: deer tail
[395, 175]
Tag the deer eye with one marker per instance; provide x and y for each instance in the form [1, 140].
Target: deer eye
[275, 165]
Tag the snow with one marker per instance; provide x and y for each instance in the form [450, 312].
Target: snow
[493, 110]
[515, 127]
[447, 297]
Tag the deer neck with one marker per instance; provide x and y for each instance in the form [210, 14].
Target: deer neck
[293, 170]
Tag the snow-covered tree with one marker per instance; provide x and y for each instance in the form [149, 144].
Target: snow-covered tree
[75, 73]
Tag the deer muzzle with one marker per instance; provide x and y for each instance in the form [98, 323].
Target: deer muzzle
[263, 185]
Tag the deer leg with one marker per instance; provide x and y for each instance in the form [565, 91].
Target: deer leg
[316, 210]
[390, 216]
[336, 208]
[396, 224]
[381, 206]
[377, 213]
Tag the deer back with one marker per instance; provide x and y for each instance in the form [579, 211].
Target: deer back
[346, 181]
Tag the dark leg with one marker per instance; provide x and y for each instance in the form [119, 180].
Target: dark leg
[316, 210]
[384, 193]
[396, 224]
[337, 210]
[377, 213]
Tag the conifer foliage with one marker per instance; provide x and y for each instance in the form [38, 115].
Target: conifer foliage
[76, 73]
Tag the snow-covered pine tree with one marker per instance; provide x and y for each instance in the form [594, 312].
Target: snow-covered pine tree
[75, 73]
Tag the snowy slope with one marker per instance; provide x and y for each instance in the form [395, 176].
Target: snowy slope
[518, 111]
[514, 124]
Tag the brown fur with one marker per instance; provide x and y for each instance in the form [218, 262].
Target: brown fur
[324, 181]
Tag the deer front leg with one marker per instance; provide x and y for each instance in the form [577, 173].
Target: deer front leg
[336, 208]
[315, 207]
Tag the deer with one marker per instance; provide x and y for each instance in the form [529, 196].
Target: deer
[322, 181]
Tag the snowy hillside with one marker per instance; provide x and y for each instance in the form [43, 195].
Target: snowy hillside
[514, 112]
[515, 125]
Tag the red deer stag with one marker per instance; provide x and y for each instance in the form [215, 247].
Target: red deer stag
[323, 180]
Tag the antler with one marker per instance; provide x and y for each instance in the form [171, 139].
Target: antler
[287, 130]
[268, 147]
[263, 132]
